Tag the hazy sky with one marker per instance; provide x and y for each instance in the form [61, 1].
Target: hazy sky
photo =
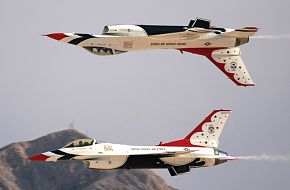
[144, 97]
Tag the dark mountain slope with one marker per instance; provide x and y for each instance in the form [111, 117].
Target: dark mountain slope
[16, 172]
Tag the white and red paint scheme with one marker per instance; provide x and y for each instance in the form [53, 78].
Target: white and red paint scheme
[198, 149]
[219, 45]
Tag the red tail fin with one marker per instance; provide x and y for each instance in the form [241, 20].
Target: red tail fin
[228, 60]
[206, 134]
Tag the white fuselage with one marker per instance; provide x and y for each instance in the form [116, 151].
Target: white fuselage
[197, 149]
[138, 43]
[111, 156]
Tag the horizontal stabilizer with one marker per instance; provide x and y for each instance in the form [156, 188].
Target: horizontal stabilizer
[241, 33]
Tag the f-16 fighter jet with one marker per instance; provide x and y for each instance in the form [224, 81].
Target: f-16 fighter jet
[219, 45]
[198, 149]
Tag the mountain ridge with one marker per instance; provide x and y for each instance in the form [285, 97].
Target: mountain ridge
[17, 172]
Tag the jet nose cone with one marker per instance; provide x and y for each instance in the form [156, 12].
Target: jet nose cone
[56, 36]
[39, 157]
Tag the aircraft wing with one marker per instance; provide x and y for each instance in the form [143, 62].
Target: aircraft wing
[241, 33]
[229, 61]
[173, 153]
[186, 35]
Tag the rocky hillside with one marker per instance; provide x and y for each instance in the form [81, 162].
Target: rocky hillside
[16, 172]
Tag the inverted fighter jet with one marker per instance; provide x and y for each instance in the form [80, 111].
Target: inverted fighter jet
[198, 149]
[219, 45]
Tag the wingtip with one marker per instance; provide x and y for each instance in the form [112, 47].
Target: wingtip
[248, 29]
[251, 28]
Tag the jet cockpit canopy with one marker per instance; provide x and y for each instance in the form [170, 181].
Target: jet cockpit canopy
[80, 143]
[124, 30]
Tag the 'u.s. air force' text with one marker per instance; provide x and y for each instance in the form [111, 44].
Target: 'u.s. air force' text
[167, 44]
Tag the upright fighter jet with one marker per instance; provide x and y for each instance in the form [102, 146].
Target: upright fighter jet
[219, 45]
[198, 149]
